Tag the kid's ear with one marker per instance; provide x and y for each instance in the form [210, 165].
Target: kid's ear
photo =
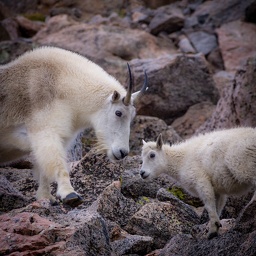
[144, 142]
[115, 96]
[159, 141]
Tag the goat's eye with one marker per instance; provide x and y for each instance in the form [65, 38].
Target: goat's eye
[152, 155]
[118, 113]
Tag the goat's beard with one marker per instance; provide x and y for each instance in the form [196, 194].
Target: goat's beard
[100, 146]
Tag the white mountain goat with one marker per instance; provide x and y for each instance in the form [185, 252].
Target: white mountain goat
[47, 96]
[210, 166]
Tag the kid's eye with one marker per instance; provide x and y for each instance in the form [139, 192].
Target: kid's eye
[118, 113]
[152, 155]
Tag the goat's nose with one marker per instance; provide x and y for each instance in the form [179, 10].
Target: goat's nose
[123, 153]
[142, 172]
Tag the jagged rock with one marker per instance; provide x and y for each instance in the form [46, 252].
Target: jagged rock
[73, 12]
[175, 83]
[22, 7]
[21, 180]
[148, 128]
[56, 231]
[185, 45]
[240, 239]
[245, 223]
[250, 12]
[91, 236]
[166, 19]
[237, 42]
[93, 173]
[10, 198]
[133, 245]
[28, 233]
[238, 235]
[196, 115]
[117, 210]
[157, 3]
[215, 59]
[236, 106]
[4, 35]
[223, 80]
[10, 50]
[5, 12]
[93, 42]
[114, 19]
[27, 27]
[177, 196]
[112, 205]
[162, 221]
[203, 41]
[215, 13]
[134, 186]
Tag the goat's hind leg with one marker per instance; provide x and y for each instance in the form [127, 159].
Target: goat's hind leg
[207, 195]
[14, 144]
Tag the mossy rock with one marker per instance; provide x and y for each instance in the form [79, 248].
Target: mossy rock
[35, 16]
[4, 56]
[185, 197]
[144, 200]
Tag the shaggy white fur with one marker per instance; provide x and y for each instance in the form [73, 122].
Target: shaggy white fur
[47, 96]
[210, 166]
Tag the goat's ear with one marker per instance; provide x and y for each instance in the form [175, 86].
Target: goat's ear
[115, 96]
[144, 142]
[159, 141]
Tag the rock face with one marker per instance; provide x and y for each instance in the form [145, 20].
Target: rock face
[200, 60]
[30, 233]
[167, 97]
[237, 41]
[236, 106]
[242, 243]
[186, 125]
[10, 197]
[92, 41]
[168, 19]
[162, 220]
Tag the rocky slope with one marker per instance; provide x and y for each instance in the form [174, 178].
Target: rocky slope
[200, 57]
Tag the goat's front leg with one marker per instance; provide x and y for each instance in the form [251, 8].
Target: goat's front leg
[207, 195]
[50, 158]
[220, 203]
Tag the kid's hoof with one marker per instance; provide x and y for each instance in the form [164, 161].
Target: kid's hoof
[218, 225]
[73, 199]
[212, 235]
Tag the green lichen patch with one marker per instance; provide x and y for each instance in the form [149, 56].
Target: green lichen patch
[178, 192]
[185, 197]
[35, 16]
[143, 200]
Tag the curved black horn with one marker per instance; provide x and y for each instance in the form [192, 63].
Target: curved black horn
[145, 84]
[137, 95]
[127, 98]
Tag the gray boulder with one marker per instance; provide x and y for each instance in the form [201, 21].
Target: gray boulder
[176, 82]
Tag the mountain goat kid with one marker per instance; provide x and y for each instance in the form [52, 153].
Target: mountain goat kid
[210, 166]
[47, 96]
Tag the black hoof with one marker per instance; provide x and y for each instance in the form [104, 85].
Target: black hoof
[218, 225]
[73, 199]
[212, 235]
[53, 202]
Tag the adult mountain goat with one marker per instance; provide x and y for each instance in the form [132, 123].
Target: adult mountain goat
[47, 96]
[210, 166]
